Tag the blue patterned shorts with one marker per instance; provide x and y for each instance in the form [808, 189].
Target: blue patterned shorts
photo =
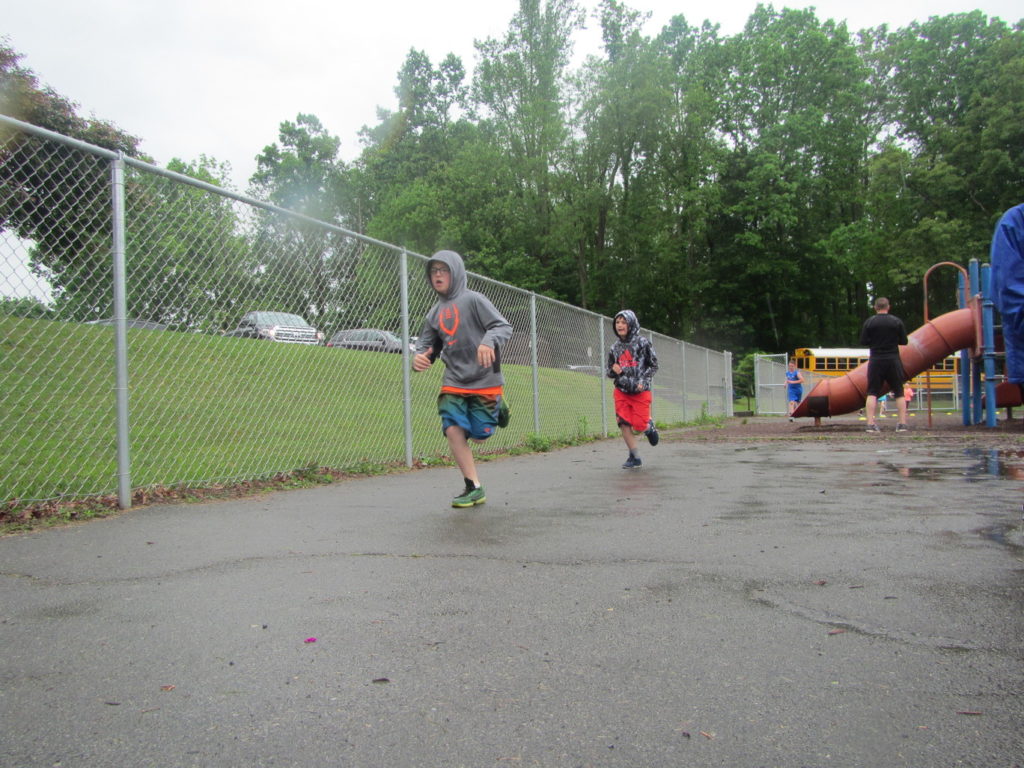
[476, 414]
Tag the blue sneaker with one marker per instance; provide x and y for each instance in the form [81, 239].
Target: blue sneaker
[632, 462]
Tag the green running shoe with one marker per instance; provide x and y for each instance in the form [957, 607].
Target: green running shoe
[470, 497]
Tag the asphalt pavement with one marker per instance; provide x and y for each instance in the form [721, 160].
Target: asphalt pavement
[789, 603]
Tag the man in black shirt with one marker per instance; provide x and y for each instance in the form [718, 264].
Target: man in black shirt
[883, 334]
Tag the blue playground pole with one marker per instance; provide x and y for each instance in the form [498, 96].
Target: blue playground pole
[988, 340]
[976, 364]
[965, 359]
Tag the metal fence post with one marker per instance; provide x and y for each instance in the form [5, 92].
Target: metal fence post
[707, 380]
[604, 380]
[533, 362]
[730, 396]
[682, 383]
[757, 385]
[124, 480]
[406, 373]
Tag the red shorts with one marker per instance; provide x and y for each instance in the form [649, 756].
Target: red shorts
[634, 410]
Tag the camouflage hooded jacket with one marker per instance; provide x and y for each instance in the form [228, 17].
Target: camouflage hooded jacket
[635, 355]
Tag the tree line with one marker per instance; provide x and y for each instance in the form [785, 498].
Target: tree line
[747, 192]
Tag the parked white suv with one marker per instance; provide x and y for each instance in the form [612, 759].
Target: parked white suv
[276, 326]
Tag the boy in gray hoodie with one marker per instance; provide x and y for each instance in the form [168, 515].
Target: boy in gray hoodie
[467, 332]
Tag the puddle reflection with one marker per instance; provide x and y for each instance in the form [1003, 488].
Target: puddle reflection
[984, 463]
[997, 462]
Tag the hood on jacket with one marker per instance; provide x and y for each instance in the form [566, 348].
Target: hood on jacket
[458, 270]
[632, 324]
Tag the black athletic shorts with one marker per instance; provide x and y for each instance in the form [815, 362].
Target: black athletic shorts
[888, 372]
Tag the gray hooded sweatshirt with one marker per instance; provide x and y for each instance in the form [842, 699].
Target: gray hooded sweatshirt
[457, 324]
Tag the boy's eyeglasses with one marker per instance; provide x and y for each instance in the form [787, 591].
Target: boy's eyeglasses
[439, 270]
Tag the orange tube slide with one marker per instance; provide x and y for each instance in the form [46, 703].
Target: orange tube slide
[927, 345]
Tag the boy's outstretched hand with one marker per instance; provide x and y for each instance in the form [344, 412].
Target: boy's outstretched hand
[421, 361]
[485, 356]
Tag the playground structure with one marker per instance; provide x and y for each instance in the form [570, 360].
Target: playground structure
[969, 330]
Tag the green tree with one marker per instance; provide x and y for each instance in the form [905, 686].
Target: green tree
[519, 92]
[299, 262]
[956, 115]
[406, 167]
[57, 196]
[688, 165]
[26, 306]
[743, 378]
[187, 258]
[798, 124]
[413, 180]
[625, 106]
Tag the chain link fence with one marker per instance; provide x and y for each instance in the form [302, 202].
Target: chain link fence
[139, 311]
[770, 397]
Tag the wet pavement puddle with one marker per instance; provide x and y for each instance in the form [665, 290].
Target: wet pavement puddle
[966, 463]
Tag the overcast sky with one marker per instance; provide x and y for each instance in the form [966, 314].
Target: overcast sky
[217, 77]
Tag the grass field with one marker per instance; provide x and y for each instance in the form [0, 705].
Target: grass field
[206, 410]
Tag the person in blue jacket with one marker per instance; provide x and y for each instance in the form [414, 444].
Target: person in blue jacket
[794, 387]
[1007, 259]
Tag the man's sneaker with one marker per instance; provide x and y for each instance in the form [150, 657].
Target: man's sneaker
[503, 414]
[873, 428]
[652, 434]
[632, 462]
[469, 497]
[902, 428]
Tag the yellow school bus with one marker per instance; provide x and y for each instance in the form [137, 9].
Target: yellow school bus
[840, 361]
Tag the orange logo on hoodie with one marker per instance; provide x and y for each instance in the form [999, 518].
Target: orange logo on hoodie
[449, 314]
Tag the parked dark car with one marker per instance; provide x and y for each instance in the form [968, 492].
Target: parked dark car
[371, 339]
[276, 326]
